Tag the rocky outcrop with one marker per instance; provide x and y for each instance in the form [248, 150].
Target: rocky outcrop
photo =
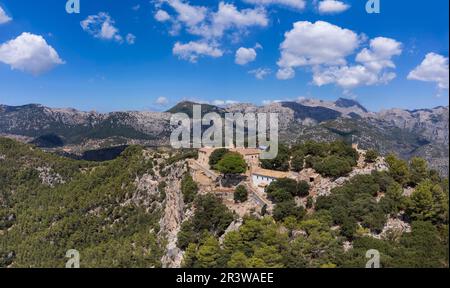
[173, 216]
[49, 177]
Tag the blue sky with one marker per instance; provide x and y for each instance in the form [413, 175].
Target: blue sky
[340, 54]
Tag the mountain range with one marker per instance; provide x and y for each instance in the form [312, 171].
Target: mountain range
[407, 133]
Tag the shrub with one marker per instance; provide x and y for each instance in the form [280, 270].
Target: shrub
[188, 188]
[371, 156]
[241, 194]
[333, 166]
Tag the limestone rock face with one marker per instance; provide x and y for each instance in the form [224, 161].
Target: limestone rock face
[173, 216]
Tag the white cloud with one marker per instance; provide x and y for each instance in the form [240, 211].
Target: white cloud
[4, 18]
[131, 39]
[380, 54]
[285, 73]
[296, 4]
[332, 7]
[260, 73]
[101, 26]
[29, 53]
[162, 16]
[211, 25]
[245, 55]
[374, 60]
[349, 77]
[223, 102]
[434, 68]
[229, 17]
[188, 14]
[319, 43]
[136, 7]
[162, 101]
[324, 48]
[191, 51]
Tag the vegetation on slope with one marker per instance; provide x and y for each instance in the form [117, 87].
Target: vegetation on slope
[88, 211]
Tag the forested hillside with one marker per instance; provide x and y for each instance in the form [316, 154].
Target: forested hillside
[50, 204]
[113, 213]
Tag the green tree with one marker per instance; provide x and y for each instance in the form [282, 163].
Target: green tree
[209, 254]
[232, 163]
[280, 162]
[211, 215]
[303, 189]
[394, 201]
[333, 166]
[398, 169]
[189, 188]
[418, 171]
[371, 156]
[286, 209]
[297, 162]
[240, 194]
[186, 235]
[238, 260]
[421, 204]
[216, 156]
[349, 227]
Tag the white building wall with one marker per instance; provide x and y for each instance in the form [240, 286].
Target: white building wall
[258, 179]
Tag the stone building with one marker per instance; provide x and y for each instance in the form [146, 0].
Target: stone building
[261, 178]
[250, 155]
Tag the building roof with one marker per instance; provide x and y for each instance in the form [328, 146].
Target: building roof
[247, 151]
[270, 173]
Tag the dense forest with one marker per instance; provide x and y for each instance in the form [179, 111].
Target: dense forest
[49, 204]
[80, 205]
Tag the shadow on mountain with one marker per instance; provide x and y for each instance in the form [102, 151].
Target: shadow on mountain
[98, 155]
[48, 141]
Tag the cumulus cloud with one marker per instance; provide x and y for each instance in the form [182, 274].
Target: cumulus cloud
[211, 25]
[332, 7]
[380, 53]
[191, 51]
[162, 101]
[372, 70]
[319, 43]
[434, 68]
[131, 39]
[245, 55]
[101, 26]
[4, 18]
[324, 48]
[260, 73]
[188, 14]
[29, 53]
[162, 16]
[349, 77]
[296, 4]
[229, 17]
